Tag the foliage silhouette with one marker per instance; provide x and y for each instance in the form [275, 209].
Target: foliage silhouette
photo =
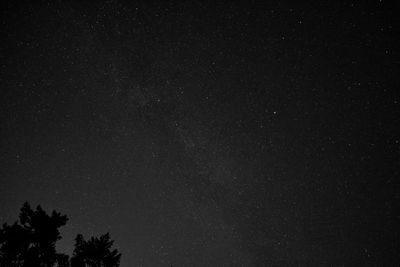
[95, 252]
[31, 241]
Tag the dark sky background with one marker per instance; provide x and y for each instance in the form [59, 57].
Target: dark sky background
[207, 133]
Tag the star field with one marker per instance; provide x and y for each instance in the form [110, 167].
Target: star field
[206, 134]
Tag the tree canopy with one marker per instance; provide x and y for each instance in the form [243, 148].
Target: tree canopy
[94, 252]
[31, 241]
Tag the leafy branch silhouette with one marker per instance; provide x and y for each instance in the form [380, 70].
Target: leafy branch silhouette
[31, 241]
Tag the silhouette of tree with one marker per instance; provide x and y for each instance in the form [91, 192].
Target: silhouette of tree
[95, 252]
[31, 242]
[14, 245]
[62, 260]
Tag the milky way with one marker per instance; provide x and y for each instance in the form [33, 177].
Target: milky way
[206, 134]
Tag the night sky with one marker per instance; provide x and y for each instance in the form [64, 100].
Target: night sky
[207, 133]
